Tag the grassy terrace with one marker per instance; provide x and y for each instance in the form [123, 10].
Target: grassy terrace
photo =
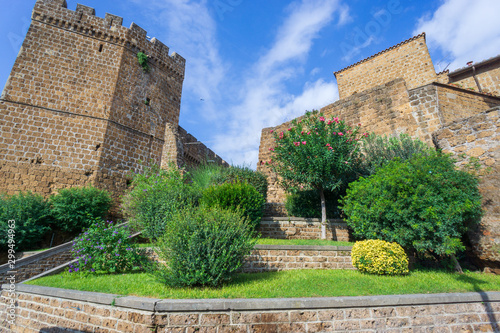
[298, 283]
[270, 241]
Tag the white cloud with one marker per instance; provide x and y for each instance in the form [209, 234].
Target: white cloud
[464, 30]
[265, 108]
[266, 101]
[294, 38]
[344, 15]
[189, 26]
[238, 104]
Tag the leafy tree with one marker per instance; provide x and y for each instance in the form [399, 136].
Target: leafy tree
[423, 204]
[317, 153]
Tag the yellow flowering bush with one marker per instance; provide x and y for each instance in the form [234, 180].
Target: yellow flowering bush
[379, 257]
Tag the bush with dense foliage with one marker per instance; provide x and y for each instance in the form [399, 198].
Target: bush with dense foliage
[243, 174]
[203, 175]
[105, 248]
[207, 175]
[379, 257]
[156, 195]
[424, 204]
[379, 150]
[238, 196]
[308, 204]
[205, 246]
[74, 209]
[317, 153]
[31, 213]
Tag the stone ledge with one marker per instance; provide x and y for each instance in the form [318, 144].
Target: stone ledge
[263, 304]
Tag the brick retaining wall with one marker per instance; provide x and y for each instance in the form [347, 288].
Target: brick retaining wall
[302, 228]
[44, 309]
[38, 263]
[265, 258]
[269, 258]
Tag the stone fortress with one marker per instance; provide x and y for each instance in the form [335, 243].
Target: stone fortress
[398, 91]
[78, 108]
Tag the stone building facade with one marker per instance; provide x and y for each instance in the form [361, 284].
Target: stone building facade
[78, 108]
[397, 91]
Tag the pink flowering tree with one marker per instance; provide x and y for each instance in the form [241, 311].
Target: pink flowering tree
[316, 153]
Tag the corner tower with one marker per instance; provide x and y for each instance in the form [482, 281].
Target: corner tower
[78, 108]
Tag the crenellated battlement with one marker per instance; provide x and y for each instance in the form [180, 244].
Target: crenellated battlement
[108, 29]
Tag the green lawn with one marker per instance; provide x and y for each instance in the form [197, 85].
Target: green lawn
[271, 241]
[297, 283]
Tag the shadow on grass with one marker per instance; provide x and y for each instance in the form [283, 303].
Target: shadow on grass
[476, 285]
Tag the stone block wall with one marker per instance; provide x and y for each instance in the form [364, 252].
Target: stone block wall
[456, 103]
[36, 263]
[268, 258]
[409, 60]
[79, 109]
[389, 109]
[38, 267]
[302, 228]
[384, 109]
[42, 309]
[487, 74]
[479, 136]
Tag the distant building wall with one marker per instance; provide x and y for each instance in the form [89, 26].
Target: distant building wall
[409, 60]
[487, 74]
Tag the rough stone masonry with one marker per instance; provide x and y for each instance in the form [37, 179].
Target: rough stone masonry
[78, 108]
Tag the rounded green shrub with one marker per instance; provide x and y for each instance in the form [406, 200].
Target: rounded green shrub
[156, 195]
[75, 208]
[379, 257]
[31, 213]
[204, 246]
[308, 204]
[242, 197]
[105, 248]
[244, 175]
[424, 204]
[379, 150]
[207, 175]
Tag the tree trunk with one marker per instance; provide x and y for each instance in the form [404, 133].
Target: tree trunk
[458, 268]
[323, 213]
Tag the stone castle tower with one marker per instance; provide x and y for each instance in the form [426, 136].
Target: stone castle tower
[78, 108]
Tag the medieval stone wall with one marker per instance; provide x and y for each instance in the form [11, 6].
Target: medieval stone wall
[384, 109]
[78, 108]
[409, 60]
[184, 149]
[479, 136]
[456, 103]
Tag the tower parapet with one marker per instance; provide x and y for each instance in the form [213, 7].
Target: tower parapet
[108, 29]
[78, 107]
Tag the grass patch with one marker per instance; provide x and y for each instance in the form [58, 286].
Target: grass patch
[271, 241]
[297, 283]
[322, 242]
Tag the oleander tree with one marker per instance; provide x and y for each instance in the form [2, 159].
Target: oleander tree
[317, 153]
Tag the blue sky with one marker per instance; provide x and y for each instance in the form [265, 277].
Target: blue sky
[257, 63]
